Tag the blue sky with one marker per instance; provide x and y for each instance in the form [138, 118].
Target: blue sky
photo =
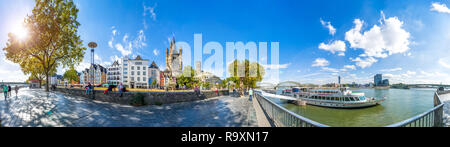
[407, 41]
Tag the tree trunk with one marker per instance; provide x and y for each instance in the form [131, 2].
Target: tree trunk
[46, 81]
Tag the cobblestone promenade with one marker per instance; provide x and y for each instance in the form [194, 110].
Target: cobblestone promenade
[36, 108]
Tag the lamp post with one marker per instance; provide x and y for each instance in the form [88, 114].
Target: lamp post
[93, 45]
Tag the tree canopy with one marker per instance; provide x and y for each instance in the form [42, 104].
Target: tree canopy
[245, 74]
[53, 39]
[71, 75]
[187, 78]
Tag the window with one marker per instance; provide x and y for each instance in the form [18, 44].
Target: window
[132, 73]
[125, 69]
[143, 79]
[346, 99]
[138, 73]
[362, 98]
[138, 68]
[132, 78]
[143, 68]
[138, 78]
[132, 67]
[143, 73]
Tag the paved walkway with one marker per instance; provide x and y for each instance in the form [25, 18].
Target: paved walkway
[36, 108]
[446, 100]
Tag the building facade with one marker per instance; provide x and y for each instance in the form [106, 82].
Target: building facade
[174, 60]
[154, 75]
[95, 75]
[114, 75]
[378, 79]
[56, 80]
[135, 72]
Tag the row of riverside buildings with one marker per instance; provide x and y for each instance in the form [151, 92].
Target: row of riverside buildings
[137, 72]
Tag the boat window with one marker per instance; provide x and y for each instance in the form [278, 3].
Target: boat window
[362, 98]
[346, 99]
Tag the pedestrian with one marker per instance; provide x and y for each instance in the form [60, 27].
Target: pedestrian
[234, 92]
[121, 88]
[16, 89]
[5, 91]
[250, 94]
[9, 90]
[88, 88]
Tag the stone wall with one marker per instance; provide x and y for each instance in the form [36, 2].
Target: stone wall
[151, 98]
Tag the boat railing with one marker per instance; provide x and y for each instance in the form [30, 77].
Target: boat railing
[430, 118]
[281, 117]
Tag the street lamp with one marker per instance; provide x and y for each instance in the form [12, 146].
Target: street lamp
[93, 45]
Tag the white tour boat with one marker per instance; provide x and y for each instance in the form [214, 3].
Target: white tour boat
[335, 98]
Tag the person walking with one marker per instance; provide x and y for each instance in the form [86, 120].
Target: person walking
[120, 89]
[17, 90]
[9, 90]
[250, 94]
[5, 91]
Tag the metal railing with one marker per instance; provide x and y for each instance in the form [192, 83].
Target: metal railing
[431, 118]
[281, 117]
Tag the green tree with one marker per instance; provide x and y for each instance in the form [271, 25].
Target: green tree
[245, 74]
[35, 70]
[53, 38]
[71, 75]
[187, 78]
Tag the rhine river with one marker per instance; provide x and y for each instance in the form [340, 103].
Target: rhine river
[400, 104]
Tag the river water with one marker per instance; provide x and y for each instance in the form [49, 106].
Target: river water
[400, 104]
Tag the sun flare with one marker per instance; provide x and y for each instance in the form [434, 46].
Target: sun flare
[21, 32]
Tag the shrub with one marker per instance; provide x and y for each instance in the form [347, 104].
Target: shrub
[138, 99]
[158, 103]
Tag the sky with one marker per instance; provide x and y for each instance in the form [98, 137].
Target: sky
[407, 41]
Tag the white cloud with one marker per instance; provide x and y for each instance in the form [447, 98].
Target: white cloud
[276, 66]
[336, 46]
[82, 66]
[380, 41]
[151, 11]
[391, 70]
[125, 38]
[328, 25]
[353, 67]
[364, 63]
[320, 62]
[9, 71]
[438, 7]
[155, 52]
[114, 32]
[122, 50]
[330, 69]
[110, 43]
[443, 63]
[114, 58]
[139, 42]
